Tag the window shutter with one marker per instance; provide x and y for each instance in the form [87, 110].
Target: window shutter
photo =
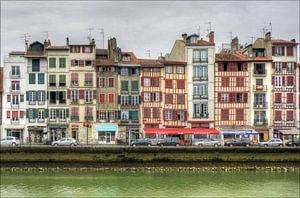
[295, 67]
[27, 95]
[283, 80]
[69, 94]
[142, 96]
[47, 95]
[7, 114]
[284, 65]
[151, 97]
[36, 95]
[94, 95]
[273, 80]
[142, 81]
[129, 100]
[35, 113]
[283, 53]
[231, 97]
[273, 51]
[160, 96]
[46, 113]
[83, 49]
[130, 115]
[8, 98]
[219, 97]
[81, 94]
[91, 49]
[119, 99]
[67, 113]
[93, 63]
[185, 116]
[151, 82]
[219, 66]
[78, 49]
[71, 49]
[245, 97]
[175, 115]
[245, 67]
[57, 95]
[273, 65]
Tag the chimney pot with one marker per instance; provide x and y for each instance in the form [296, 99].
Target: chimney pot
[184, 36]
[211, 37]
[67, 41]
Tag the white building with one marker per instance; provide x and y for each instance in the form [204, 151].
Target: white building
[14, 90]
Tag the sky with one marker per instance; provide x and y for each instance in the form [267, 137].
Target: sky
[147, 28]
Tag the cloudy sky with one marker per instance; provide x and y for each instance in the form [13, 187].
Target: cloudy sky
[143, 26]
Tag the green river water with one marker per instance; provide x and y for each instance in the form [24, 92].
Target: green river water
[143, 184]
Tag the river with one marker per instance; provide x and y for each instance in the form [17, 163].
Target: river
[143, 184]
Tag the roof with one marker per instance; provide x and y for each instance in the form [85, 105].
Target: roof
[22, 53]
[133, 60]
[101, 51]
[176, 131]
[285, 42]
[150, 63]
[172, 62]
[57, 47]
[261, 59]
[231, 56]
[32, 54]
[105, 62]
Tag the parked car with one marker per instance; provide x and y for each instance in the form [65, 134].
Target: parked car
[65, 142]
[169, 141]
[206, 142]
[10, 141]
[294, 142]
[141, 142]
[238, 142]
[272, 142]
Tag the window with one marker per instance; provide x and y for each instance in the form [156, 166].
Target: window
[180, 84]
[238, 97]
[36, 65]
[146, 97]
[41, 78]
[124, 115]
[225, 81]
[278, 67]
[169, 99]
[52, 62]
[89, 113]
[168, 114]
[156, 96]
[31, 79]
[74, 96]
[240, 81]
[52, 80]
[124, 85]
[15, 70]
[259, 82]
[203, 56]
[15, 86]
[62, 62]
[124, 100]
[101, 98]
[224, 67]
[134, 100]
[111, 69]
[259, 116]
[180, 99]
[259, 69]
[169, 69]
[196, 56]
[101, 82]
[135, 71]
[134, 115]
[124, 71]
[74, 111]
[8, 98]
[52, 114]
[15, 116]
[31, 96]
[180, 115]
[75, 49]
[135, 85]
[147, 112]
[62, 80]
[88, 63]
[290, 98]
[15, 99]
[41, 96]
[259, 100]
[224, 114]
[61, 97]
[289, 116]
[41, 114]
[290, 67]
[87, 49]
[278, 116]
[224, 97]
[155, 82]
[278, 98]
[290, 81]
[126, 58]
[74, 62]
[180, 69]
[156, 113]
[200, 110]
[102, 115]
[278, 81]
[111, 82]
[88, 78]
[111, 115]
[111, 98]
[279, 51]
[53, 97]
[88, 96]
[200, 72]
[62, 113]
[240, 66]
[74, 79]
[147, 82]
[290, 51]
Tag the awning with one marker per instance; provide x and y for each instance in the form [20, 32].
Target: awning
[239, 132]
[290, 132]
[175, 131]
[106, 127]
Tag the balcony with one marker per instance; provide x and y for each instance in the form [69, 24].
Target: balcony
[14, 90]
[124, 91]
[31, 120]
[200, 78]
[62, 119]
[15, 121]
[200, 60]
[73, 102]
[52, 120]
[260, 105]
[74, 118]
[259, 73]
[200, 116]
[277, 104]
[88, 118]
[14, 106]
[74, 83]
[88, 83]
[31, 102]
[260, 122]
[134, 91]
[15, 76]
[259, 87]
[41, 102]
[41, 120]
[290, 105]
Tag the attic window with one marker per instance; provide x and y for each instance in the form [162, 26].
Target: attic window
[126, 58]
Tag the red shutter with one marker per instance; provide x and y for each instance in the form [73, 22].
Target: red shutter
[175, 115]
[160, 96]
[273, 80]
[219, 66]
[143, 81]
[94, 94]
[295, 67]
[278, 116]
[71, 49]
[151, 82]
[93, 63]
[92, 49]
[69, 94]
[7, 114]
[142, 96]
[284, 65]
[283, 80]
[273, 65]
[83, 49]
[283, 51]
[245, 68]
[289, 97]
[97, 82]
[185, 115]
[290, 116]
[231, 97]
[78, 49]
[81, 94]
[245, 97]
[273, 51]
[219, 97]
[277, 97]
[21, 114]
[151, 97]
[8, 98]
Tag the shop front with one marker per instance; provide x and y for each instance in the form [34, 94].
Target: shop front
[185, 135]
[36, 134]
[287, 134]
[107, 133]
[16, 131]
[56, 132]
[234, 134]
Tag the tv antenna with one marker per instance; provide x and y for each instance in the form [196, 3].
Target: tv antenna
[90, 34]
[252, 38]
[270, 25]
[199, 28]
[46, 33]
[264, 30]
[25, 37]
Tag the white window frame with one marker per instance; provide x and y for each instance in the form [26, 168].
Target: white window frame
[124, 100]
[41, 114]
[169, 115]
[134, 100]
[224, 97]
[124, 115]
[278, 81]
[156, 97]
[147, 82]
[102, 115]
[169, 69]
[41, 96]
[147, 96]
[15, 70]
[88, 96]
[52, 114]
[180, 69]
[15, 99]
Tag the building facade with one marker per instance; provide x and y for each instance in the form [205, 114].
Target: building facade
[13, 96]
[81, 96]
[1, 93]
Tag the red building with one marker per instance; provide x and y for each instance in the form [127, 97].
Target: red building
[1, 93]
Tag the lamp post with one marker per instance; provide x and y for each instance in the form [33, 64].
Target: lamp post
[87, 124]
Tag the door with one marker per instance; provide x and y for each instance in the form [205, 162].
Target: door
[107, 137]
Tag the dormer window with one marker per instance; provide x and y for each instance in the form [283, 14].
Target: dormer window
[126, 58]
[193, 39]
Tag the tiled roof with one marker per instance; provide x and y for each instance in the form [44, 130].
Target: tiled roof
[280, 41]
[17, 53]
[262, 59]
[133, 60]
[57, 47]
[35, 54]
[105, 62]
[231, 56]
[171, 62]
[150, 63]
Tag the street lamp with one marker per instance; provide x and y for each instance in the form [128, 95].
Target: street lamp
[88, 125]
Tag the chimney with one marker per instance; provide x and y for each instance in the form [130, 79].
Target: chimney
[184, 36]
[46, 43]
[92, 42]
[268, 36]
[67, 41]
[211, 37]
[235, 44]
[293, 40]
[26, 45]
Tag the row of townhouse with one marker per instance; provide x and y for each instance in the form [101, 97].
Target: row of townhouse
[106, 95]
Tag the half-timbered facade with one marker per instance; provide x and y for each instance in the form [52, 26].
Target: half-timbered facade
[129, 96]
[81, 94]
[151, 92]
[232, 92]
[298, 94]
[175, 94]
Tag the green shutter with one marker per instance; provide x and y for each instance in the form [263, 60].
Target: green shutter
[67, 113]
[130, 115]
[134, 85]
[57, 95]
[31, 78]
[47, 93]
[46, 113]
[119, 115]
[129, 99]
[27, 113]
[62, 62]
[36, 95]
[35, 113]
[52, 62]
[41, 79]
[119, 99]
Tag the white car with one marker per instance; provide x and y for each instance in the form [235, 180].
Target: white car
[272, 142]
[65, 142]
[206, 142]
[10, 141]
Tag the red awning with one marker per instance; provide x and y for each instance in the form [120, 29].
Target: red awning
[176, 131]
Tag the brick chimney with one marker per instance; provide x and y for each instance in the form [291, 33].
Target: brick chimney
[235, 44]
[268, 36]
[211, 37]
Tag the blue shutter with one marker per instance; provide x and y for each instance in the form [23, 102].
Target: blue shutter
[46, 113]
[27, 95]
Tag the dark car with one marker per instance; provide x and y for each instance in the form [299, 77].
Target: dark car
[294, 142]
[238, 142]
[141, 142]
[169, 141]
